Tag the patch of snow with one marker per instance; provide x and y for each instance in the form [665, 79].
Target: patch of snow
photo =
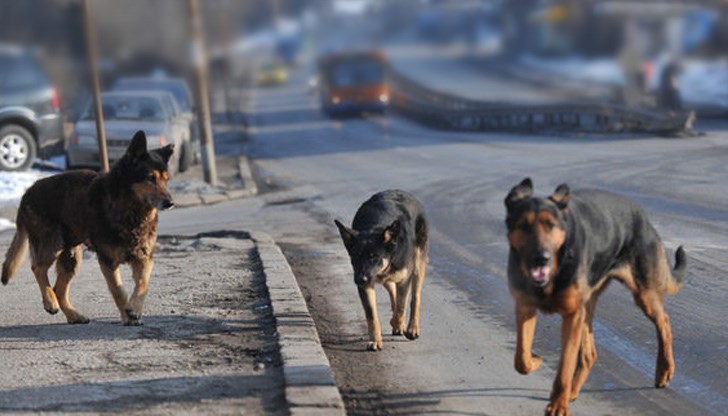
[12, 188]
[575, 68]
[6, 225]
[700, 82]
[705, 82]
[14, 184]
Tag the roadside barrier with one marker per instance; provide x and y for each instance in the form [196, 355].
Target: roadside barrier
[449, 112]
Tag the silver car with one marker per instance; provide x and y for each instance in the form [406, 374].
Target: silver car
[124, 114]
[181, 91]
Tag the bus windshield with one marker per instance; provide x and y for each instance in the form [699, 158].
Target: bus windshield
[361, 71]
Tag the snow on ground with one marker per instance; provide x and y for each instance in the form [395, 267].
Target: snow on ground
[6, 224]
[705, 82]
[14, 184]
[597, 70]
[701, 82]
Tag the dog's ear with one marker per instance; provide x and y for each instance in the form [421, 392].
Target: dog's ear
[347, 235]
[138, 146]
[165, 152]
[561, 196]
[518, 193]
[391, 233]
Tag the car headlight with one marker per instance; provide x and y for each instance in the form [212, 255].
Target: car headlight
[384, 98]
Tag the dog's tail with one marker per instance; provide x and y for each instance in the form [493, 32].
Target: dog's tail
[16, 253]
[678, 272]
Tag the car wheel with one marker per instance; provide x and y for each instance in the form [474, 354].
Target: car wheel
[17, 148]
[185, 158]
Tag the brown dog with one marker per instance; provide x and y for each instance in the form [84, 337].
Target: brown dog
[114, 214]
[564, 249]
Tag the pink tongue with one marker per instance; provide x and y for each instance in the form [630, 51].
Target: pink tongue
[540, 274]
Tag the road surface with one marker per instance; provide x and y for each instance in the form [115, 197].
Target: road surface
[463, 362]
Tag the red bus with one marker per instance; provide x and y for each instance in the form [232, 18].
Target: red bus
[354, 82]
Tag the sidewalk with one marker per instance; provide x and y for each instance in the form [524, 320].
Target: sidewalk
[226, 330]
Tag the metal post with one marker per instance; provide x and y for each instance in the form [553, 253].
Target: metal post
[91, 56]
[199, 61]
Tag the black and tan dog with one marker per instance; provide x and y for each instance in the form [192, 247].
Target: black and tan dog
[564, 249]
[388, 244]
[114, 214]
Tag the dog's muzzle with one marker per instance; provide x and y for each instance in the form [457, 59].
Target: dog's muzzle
[165, 204]
[540, 269]
[363, 280]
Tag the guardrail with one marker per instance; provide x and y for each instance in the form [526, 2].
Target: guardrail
[449, 112]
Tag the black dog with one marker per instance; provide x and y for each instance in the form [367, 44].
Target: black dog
[564, 249]
[389, 245]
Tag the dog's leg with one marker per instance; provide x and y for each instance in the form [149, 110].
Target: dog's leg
[526, 362]
[369, 302]
[403, 294]
[397, 321]
[571, 333]
[67, 268]
[588, 350]
[113, 280]
[418, 279]
[652, 304]
[141, 271]
[587, 358]
[41, 260]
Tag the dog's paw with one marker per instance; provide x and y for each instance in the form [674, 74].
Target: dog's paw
[375, 346]
[397, 325]
[51, 310]
[77, 318]
[132, 314]
[412, 333]
[664, 374]
[557, 408]
[530, 366]
[133, 322]
[50, 303]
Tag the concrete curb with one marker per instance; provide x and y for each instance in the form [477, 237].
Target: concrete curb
[246, 189]
[310, 387]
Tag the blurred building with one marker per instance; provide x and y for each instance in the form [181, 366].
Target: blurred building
[600, 27]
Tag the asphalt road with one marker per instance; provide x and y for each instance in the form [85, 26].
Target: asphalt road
[462, 364]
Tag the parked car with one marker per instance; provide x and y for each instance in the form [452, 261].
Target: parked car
[30, 120]
[182, 125]
[124, 114]
[181, 91]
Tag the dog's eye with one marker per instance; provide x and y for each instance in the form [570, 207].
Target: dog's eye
[151, 178]
[548, 226]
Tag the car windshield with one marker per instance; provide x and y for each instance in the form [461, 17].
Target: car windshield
[355, 72]
[169, 105]
[20, 71]
[129, 108]
[177, 89]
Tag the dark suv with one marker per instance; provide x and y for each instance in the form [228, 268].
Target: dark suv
[30, 118]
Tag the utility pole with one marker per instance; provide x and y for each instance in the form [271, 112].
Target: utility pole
[199, 63]
[90, 36]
